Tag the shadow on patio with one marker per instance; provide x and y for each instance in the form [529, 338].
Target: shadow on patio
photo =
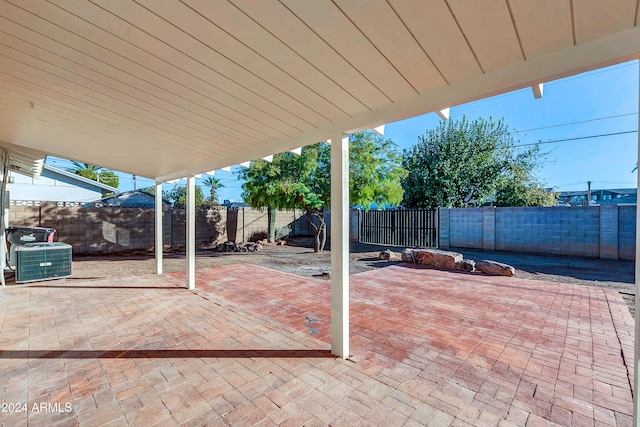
[429, 348]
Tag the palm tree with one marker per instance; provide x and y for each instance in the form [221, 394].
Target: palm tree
[96, 173]
[86, 170]
[213, 184]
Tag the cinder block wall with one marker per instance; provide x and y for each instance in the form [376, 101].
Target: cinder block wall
[465, 228]
[556, 230]
[592, 231]
[93, 230]
[627, 232]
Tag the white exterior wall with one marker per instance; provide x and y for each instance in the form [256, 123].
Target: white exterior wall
[51, 187]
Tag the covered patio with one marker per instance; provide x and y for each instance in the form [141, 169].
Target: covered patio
[429, 348]
[171, 90]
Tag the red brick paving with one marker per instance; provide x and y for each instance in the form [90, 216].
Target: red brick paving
[429, 348]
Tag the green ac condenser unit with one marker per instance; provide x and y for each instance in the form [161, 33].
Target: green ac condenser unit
[42, 261]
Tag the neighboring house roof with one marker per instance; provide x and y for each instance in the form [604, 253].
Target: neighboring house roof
[625, 200]
[56, 185]
[619, 196]
[106, 189]
[132, 199]
[605, 191]
[230, 204]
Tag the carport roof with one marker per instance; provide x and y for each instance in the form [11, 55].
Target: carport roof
[166, 89]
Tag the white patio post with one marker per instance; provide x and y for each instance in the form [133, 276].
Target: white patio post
[340, 246]
[159, 241]
[191, 232]
[636, 343]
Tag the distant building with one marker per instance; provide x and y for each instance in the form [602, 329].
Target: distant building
[230, 204]
[57, 185]
[619, 196]
[132, 199]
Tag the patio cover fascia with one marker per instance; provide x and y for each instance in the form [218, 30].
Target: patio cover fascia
[172, 89]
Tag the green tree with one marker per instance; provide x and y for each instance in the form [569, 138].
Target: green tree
[178, 196]
[462, 163]
[96, 173]
[520, 188]
[152, 190]
[214, 185]
[304, 181]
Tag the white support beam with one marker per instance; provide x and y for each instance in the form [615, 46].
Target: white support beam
[268, 158]
[444, 114]
[379, 130]
[340, 246]
[191, 232]
[245, 164]
[226, 168]
[538, 90]
[159, 241]
[636, 342]
[297, 151]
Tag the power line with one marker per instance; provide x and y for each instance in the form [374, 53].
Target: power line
[578, 122]
[576, 138]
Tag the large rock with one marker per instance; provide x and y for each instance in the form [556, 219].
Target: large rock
[248, 247]
[467, 265]
[436, 258]
[388, 255]
[227, 247]
[494, 267]
[407, 255]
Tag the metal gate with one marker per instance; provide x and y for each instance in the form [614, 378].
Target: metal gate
[402, 227]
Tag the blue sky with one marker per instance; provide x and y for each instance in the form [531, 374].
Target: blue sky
[600, 102]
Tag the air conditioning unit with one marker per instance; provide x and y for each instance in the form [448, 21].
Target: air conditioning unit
[42, 261]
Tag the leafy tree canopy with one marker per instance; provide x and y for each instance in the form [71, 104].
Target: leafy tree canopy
[178, 196]
[304, 181]
[96, 173]
[462, 163]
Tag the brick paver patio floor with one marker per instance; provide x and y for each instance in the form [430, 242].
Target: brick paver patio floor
[429, 348]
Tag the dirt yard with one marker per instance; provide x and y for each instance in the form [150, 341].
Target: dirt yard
[298, 258]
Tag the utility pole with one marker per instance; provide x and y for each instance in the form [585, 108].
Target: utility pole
[588, 193]
[134, 182]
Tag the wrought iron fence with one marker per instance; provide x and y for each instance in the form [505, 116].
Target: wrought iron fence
[399, 227]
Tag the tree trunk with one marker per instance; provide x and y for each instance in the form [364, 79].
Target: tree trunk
[318, 242]
[323, 232]
[271, 216]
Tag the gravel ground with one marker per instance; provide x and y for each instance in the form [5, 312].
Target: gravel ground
[298, 258]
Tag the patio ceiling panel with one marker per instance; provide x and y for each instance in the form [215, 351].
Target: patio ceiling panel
[542, 27]
[591, 20]
[293, 32]
[489, 28]
[437, 32]
[121, 86]
[145, 45]
[384, 29]
[336, 29]
[177, 67]
[166, 89]
[223, 45]
[52, 112]
[261, 42]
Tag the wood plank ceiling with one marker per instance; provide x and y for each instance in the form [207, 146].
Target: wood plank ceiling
[165, 88]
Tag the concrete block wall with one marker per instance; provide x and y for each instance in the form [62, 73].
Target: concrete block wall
[94, 230]
[606, 232]
[627, 232]
[552, 230]
[465, 228]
